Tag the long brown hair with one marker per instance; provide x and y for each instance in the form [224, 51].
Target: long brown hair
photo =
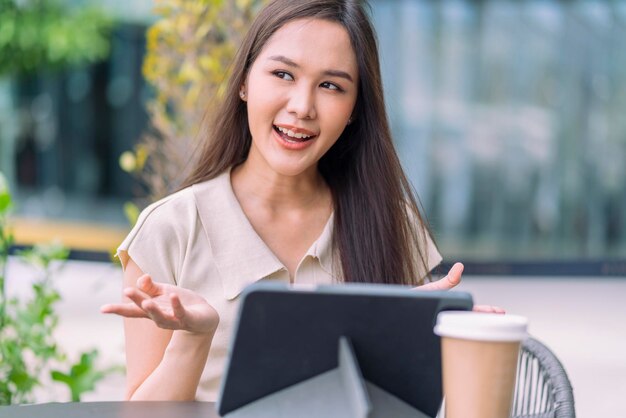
[378, 230]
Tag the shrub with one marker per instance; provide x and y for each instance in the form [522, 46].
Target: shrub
[189, 50]
[28, 349]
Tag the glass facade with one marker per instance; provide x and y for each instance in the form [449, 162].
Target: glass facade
[509, 119]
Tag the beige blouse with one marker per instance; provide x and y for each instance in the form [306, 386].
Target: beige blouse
[199, 238]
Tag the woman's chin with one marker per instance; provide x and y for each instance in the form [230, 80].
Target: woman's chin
[272, 158]
[290, 168]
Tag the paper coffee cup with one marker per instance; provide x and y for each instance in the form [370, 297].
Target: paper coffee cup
[479, 360]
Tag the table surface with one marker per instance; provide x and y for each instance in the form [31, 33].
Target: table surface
[112, 410]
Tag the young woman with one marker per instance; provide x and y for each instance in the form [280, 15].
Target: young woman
[298, 181]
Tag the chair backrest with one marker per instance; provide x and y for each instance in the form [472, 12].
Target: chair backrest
[543, 389]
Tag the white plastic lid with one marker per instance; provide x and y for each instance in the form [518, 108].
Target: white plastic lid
[481, 326]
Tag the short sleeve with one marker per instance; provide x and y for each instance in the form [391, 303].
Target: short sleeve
[157, 243]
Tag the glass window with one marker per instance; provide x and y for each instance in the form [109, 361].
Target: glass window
[509, 120]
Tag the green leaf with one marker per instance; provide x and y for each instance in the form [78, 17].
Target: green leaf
[22, 380]
[61, 377]
[5, 195]
[82, 377]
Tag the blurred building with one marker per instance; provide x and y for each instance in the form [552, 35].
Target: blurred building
[508, 116]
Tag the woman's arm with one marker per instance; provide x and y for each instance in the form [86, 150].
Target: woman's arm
[145, 342]
[168, 336]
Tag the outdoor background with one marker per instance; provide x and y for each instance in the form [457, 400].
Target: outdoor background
[509, 117]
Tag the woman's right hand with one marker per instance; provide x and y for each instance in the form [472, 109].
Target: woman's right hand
[169, 306]
[453, 279]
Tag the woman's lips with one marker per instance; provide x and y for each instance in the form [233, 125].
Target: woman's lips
[292, 143]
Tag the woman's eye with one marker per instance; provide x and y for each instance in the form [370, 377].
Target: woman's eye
[331, 86]
[283, 75]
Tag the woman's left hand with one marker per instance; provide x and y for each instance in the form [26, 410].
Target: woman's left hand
[451, 280]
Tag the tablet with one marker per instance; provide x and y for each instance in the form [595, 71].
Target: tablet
[285, 335]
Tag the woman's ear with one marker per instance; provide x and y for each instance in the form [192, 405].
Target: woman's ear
[242, 92]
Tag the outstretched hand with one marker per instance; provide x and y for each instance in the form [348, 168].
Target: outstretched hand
[453, 279]
[170, 307]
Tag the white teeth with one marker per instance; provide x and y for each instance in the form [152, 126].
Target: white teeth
[293, 134]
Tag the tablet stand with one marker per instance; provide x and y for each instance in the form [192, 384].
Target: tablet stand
[341, 392]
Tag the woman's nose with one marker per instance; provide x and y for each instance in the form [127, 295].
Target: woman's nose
[302, 103]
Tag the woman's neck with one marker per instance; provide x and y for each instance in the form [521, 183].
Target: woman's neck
[276, 192]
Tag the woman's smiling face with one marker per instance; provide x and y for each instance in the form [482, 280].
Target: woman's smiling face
[300, 93]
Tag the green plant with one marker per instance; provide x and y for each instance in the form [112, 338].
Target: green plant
[82, 376]
[47, 33]
[189, 50]
[6, 241]
[28, 349]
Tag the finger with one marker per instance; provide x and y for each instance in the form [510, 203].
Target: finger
[148, 286]
[159, 316]
[454, 275]
[135, 295]
[128, 310]
[177, 307]
[489, 309]
[452, 279]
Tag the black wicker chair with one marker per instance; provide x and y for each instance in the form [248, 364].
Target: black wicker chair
[543, 389]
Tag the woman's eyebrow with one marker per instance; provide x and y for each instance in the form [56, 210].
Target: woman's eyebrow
[332, 73]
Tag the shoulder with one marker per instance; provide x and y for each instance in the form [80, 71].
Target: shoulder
[185, 202]
[170, 210]
[158, 241]
[167, 217]
[165, 222]
[176, 216]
